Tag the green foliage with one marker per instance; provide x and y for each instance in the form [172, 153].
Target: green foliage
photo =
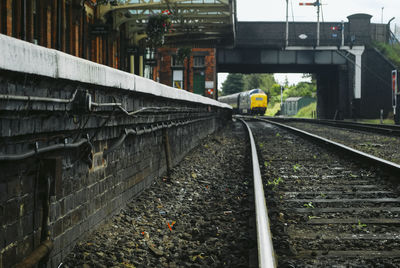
[377, 121]
[309, 205]
[273, 108]
[359, 226]
[306, 112]
[296, 167]
[302, 89]
[275, 90]
[241, 82]
[262, 81]
[235, 83]
[183, 53]
[275, 182]
[157, 26]
[232, 84]
[392, 52]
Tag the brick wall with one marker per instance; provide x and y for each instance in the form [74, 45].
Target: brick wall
[82, 195]
[164, 70]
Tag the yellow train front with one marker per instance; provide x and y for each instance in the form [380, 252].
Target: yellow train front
[248, 102]
[258, 102]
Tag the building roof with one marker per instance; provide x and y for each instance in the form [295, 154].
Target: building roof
[194, 21]
[293, 99]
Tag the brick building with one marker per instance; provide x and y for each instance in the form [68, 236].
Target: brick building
[83, 28]
[199, 67]
[70, 26]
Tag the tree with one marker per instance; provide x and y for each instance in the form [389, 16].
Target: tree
[252, 81]
[302, 89]
[262, 81]
[233, 84]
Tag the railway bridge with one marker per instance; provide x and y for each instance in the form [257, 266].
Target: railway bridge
[353, 77]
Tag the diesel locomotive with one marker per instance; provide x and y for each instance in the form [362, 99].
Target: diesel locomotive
[247, 102]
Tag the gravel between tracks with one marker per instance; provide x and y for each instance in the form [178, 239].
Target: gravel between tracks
[301, 179]
[196, 217]
[383, 146]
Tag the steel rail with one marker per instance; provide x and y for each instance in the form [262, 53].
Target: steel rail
[266, 256]
[392, 130]
[390, 166]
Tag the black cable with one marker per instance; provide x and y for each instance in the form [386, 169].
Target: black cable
[104, 123]
[150, 129]
[37, 151]
[80, 128]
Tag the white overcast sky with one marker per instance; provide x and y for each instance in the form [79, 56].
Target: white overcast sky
[332, 10]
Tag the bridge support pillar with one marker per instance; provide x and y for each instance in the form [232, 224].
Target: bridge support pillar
[357, 52]
[328, 94]
[343, 110]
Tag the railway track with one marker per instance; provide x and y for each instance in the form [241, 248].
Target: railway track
[326, 209]
[392, 130]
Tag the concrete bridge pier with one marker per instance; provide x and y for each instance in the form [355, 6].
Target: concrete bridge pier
[327, 93]
[344, 109]
[333, 94]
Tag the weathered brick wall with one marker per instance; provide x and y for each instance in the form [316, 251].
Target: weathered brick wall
[87, 183]
[82, 195]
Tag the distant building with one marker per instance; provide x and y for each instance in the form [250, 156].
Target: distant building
[196, 74]
[293, 104]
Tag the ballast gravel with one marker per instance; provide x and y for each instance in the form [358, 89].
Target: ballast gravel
[382, 146]
[199, 216]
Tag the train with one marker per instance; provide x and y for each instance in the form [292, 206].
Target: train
[247, 102]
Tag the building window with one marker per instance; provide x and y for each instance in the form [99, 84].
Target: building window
[175, 62]
[198, 61]
[177, 79]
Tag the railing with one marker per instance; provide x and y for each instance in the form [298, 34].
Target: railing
[273, 34]
[393, 40]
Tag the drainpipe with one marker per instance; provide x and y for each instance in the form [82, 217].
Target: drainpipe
[83, 31]
[59, 22]
[25, 18]
[38, 254]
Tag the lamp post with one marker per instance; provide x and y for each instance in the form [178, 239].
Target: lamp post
[287, 22]
[382, 15]
[318, 25]
[318, 5]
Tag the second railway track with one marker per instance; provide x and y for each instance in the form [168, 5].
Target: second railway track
[326, 209]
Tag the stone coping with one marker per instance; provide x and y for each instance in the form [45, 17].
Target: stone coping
[21, 56]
